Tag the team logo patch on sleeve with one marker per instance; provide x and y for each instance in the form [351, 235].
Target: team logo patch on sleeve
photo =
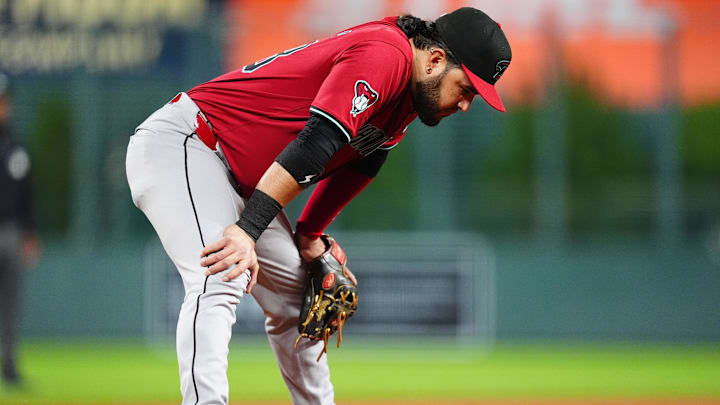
[367, 139]
[365, 96]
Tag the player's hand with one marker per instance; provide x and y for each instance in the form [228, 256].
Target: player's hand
[311, 249]
[235, 247]
[349, 274]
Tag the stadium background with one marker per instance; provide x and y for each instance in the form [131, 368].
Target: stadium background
[596, 198]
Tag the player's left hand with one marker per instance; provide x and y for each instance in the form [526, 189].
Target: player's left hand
[311, 249]
[235, 247]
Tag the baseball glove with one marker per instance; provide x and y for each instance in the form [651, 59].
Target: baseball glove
[330, 299]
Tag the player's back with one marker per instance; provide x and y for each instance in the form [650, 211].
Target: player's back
[282, 87]
[257, 110]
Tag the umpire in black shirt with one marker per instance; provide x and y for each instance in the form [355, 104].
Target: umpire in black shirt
[19, 247]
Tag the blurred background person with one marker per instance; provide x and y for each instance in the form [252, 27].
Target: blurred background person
[19, 247]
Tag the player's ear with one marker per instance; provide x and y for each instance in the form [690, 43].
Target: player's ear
[438, 59]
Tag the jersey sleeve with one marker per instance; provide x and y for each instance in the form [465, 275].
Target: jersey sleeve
[365, 78]
[330, 196]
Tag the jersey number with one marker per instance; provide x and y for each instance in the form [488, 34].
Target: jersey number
[257, 65]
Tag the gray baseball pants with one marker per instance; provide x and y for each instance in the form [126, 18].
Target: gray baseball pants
[187, 192]
[11, 267]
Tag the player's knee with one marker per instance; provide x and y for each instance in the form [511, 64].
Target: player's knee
[281, 323]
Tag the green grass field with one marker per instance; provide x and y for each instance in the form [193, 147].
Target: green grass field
[118, 372]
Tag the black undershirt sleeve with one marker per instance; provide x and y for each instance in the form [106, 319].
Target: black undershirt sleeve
[305, 157]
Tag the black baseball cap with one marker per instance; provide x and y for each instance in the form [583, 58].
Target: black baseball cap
[481, 46]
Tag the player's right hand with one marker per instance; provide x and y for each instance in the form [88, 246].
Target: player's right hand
[235, 247]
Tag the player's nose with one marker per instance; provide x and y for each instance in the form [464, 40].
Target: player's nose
[464, 104]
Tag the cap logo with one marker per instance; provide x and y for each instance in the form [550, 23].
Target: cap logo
[500, 68]
[365, 96]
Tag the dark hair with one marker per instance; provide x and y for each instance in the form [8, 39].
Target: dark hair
[425, 36]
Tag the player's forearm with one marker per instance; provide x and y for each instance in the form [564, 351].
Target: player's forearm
[328, 199]
[279, 184]
[299, 165]
[274, 191]
[335, 192]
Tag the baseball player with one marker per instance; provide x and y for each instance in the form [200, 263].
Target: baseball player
[214, 167]
[19, 245]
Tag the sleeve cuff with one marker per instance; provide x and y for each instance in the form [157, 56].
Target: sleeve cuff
[333, 120]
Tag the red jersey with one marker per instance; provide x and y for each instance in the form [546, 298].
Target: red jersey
[358, 79]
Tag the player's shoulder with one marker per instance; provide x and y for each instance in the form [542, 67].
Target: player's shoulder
[383, 34]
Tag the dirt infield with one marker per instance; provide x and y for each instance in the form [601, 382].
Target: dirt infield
[684, 401]
[529, 401]
[525, 401]
[647, 401]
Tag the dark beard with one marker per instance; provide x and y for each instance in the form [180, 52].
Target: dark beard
[426, 99]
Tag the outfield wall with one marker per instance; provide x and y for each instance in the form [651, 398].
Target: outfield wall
[595, 291]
